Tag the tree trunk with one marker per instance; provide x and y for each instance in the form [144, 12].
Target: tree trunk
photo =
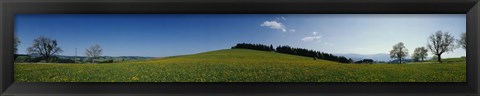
[400, 60]
[47, 59]
[439, 58]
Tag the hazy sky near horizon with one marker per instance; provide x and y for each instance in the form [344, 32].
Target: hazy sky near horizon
[159, 35]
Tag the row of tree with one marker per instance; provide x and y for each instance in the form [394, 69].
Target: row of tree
[367, 61]
[294, 51]
[438, 43]
[48, 49]
[254, 47]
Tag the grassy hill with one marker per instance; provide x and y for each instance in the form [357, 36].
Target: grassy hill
[242, 65]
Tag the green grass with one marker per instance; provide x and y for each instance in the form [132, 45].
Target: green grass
[242, 65]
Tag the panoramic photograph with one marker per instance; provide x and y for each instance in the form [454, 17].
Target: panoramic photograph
[240, 48]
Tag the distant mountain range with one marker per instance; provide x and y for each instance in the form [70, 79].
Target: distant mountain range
[355, 57]
[101, 57]
[375, 57]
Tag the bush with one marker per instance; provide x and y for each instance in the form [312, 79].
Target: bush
[108, 61]
[64, 61]
[34, 59]
[365, 61]
[22, 58]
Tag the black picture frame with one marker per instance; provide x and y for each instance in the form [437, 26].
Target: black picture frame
[11, 7]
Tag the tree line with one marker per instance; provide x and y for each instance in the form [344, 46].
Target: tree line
[49, 49]
[254, 46]
[438, 43]
[294, 51]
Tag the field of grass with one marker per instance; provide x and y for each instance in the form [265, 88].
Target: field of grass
[242, 65]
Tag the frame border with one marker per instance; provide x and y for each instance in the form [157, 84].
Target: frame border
[8, 9]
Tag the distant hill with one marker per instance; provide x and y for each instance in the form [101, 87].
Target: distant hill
[403, 60]
[101, 57]
[376, 57]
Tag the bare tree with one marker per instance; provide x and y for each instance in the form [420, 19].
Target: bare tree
[44, 46]
[462, 42]
[439, 43]
[420, 53]
[399, 51]
[93, 52]
[16, 41]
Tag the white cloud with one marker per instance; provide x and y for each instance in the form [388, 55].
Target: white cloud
[274, 25]
[292, 30]
[315, 36]
[311, 38]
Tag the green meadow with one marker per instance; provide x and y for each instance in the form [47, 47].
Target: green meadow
[242, 65]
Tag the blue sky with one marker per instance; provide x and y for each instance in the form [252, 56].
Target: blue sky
[159, 35]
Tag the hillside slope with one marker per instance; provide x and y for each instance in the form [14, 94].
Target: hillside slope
[241, 56]
[240, 65]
